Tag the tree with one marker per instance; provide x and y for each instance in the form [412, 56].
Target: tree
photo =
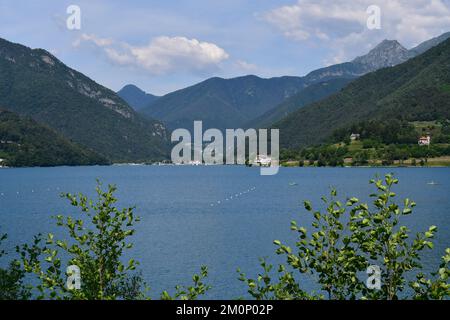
[96, 248]
[347, 239]
[361, 158]
[384, 242]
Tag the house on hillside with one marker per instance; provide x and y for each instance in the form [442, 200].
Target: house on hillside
[355, 136]
[424, 140]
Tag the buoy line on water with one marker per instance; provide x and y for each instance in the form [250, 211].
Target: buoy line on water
[233, 196]
[4, 194]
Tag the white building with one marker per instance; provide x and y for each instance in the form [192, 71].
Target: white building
[425, 140]
[263, 161]
[355, 136]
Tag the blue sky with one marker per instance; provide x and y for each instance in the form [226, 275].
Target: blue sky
[162, 46]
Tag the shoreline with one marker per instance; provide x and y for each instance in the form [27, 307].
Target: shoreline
[284, 165]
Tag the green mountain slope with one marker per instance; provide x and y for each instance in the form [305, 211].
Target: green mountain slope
[36, 84]
[223, 103]
[310, 94]
[418, 89]
[23, 142]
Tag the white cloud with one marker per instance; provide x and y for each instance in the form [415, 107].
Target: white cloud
[100, 42]
[342, 24]
[246, 66]
[162, 55]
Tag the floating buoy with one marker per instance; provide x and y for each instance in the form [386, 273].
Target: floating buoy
[235, 196]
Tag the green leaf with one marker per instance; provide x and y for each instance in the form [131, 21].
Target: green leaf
[307, 205]
[407, 211]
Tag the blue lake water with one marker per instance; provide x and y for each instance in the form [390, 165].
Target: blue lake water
[186, 220]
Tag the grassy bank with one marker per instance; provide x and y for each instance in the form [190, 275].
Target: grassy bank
[443, 161]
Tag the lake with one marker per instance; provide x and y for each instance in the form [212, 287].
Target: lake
[187, 221]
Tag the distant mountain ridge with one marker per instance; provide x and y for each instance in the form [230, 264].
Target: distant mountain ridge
[136, 97]
[388, 53]
[250, 100]
[427, 45]
[222, 103]
[24, 142]
[35, 83]
[324, 82]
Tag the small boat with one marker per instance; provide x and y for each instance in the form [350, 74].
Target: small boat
[432, 183]
[292, 184]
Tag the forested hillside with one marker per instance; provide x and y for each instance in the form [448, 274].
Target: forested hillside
[418, 89]
[35, 83]
[23, 142]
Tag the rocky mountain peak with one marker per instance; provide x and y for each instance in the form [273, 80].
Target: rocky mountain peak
[388, 53]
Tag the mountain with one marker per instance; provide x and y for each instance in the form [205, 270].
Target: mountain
[135, 97]
[35, 83]
[324, 82]
[24, 142]
[250, 100]
[386, 54]
[223, 103]
[310, 94]
[417, 90]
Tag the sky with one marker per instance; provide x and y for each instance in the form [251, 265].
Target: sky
[162, 46]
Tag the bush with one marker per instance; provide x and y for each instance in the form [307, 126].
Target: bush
[96, 248]
[349, 237]
[11, 279]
